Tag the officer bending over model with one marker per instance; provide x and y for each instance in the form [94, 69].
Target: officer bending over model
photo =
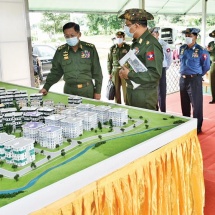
[78, 63]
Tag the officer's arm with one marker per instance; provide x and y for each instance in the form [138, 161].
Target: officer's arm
[205, 62]
[153, 61]
[97, 72]
[110, 62]
[56, 72]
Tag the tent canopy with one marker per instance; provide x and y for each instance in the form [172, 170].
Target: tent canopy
[180, 7]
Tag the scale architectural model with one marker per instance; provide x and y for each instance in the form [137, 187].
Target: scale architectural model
[46, 140]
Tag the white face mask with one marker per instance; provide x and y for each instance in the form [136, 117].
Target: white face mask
[72, 41]
[188, 40]
[127, 31]
[119, 40]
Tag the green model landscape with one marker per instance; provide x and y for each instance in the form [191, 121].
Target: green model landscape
[104, 145]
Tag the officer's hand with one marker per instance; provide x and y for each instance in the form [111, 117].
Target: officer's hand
[123, 73]
[43, 91]
[97, 96]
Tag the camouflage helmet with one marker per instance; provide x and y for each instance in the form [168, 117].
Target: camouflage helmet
[212, 34]
[136, 14]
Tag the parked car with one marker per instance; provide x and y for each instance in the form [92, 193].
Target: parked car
[45, 54]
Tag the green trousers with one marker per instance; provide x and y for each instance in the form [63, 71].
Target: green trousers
[119, 82]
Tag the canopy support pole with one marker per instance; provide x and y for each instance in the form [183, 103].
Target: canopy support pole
[204, 12]
[142, 4]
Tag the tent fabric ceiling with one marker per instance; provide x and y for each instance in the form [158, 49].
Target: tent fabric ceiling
[180, 7]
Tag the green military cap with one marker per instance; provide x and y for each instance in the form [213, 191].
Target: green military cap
[154, 30]
[120, 33]
[191, 31]
[212, 34]
[136, 14]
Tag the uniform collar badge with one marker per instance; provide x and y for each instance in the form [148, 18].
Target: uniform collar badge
[140, 40]
[147, 42]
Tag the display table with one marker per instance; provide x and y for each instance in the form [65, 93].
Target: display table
[163, 175]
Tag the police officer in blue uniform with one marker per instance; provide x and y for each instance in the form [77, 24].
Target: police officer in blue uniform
[194, 63]
[167, 60]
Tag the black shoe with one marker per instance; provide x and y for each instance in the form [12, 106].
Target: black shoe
[199, 130]
[212, 102]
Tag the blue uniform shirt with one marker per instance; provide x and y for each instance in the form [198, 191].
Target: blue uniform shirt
[194, 60]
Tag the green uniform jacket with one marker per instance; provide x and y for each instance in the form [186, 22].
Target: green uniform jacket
[150, 53]
[115, 54]
[212, 69]
[77, 67]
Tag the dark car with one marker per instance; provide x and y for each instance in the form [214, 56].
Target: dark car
[45, 54]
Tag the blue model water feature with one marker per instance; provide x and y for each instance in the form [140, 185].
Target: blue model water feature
[33, 181]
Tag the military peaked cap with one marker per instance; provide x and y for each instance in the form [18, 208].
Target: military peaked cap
[191, 31]
[212, 34]
[136, 14]
[154, 30]
[120, 33]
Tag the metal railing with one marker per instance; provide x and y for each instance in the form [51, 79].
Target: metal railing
[172, 77]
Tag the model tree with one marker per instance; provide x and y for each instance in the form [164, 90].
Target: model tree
[16, 177]
[1, 176]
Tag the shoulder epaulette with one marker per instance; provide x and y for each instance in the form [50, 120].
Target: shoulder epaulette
[61, 47]
[89, 44]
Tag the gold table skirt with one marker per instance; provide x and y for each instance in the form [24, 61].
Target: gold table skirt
[168, 181]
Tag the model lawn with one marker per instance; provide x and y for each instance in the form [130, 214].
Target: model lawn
[88, 149]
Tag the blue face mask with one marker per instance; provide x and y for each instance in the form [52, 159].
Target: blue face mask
[127, 31]
[72, 41]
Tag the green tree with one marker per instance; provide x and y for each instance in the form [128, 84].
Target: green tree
[103, 24]
[52, 23]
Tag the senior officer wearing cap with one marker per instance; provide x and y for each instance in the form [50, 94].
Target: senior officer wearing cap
[150, 53]
[117, 51]
[194, 63]
[167, 60]
[211, 49]
[78, 63]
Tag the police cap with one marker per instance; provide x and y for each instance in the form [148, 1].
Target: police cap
[212, 34]
[120, 33]
[191, 31]
[154, 30]
[136, 14]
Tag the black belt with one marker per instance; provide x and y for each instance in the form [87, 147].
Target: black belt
[190, 76]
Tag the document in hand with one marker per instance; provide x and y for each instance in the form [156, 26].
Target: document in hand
[134, 62]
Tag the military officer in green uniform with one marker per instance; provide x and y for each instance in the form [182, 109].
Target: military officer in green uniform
[149, 51]
[78, 63]
[117, 51]
[211, 49]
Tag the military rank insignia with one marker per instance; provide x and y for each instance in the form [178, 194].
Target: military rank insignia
[182, 52]
[147, 42]
[85, 54]
[65, 55]
[140, 41]
[195, 54]
[114, 51]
